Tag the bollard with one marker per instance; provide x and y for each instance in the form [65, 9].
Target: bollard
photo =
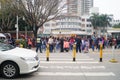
[47, 52]
[113, 60]
[74, 52]
[21, 45]
[101, 52]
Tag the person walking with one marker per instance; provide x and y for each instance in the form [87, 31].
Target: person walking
[29, 43]
[39, 44]
[66, 45]
[50, 42]
[61, 44]
[78, 44]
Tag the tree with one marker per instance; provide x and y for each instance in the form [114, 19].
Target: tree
[37, 12]
[100, 22]
[7, 13]
[105, 21]
[116, 26]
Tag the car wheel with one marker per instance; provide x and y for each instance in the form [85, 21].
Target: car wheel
[9, 70]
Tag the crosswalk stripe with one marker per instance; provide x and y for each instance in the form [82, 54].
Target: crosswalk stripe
[69, 62]
[76, 74]
[72, 67]
[55, 59]
[92, 67]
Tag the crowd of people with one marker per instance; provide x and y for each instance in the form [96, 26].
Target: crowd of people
[83, 44]
[65, 44]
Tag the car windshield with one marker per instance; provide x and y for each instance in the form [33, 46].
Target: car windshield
[6, 47]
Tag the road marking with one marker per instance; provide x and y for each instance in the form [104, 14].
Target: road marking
[76, 74]
[92, 67]
[72, 67]
[68, 59]
[69, 62]
[60, 67]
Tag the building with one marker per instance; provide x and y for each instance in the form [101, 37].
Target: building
[86, 24]
[79, 7]
[86, 5]
[75, 21]
[67, 25]
[74, 7]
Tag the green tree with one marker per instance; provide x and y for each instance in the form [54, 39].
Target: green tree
[100, 22]
[105, 22]
[116, 26]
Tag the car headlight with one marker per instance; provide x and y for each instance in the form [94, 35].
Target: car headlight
[28, 59]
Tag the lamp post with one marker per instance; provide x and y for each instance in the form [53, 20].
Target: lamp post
[16, 25]
[25, 28]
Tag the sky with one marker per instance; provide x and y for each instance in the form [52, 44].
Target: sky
[108, 7]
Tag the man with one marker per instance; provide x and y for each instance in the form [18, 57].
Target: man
[78, 44]
[39, 44]
[61, 44]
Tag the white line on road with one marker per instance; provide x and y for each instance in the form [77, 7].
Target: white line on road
[72, 67]
[92, 67]
[55, 59]
[76, 74]
[68, 62]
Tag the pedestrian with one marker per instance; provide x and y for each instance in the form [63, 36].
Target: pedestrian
[61, 44]
[66, 45]
[50, 42]
[78, 44]
[29, 43]
[92, 46]
[38, 44]
[86, 49]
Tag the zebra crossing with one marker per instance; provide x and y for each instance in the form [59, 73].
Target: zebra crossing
[62, 65]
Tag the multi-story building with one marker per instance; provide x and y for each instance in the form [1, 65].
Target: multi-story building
[86, 5]
[73, 22]
[79, 7]
[73, 7]
[86, 24]
[67, 25]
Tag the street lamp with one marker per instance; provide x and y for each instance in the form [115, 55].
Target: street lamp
[16, 25]
[25, 28]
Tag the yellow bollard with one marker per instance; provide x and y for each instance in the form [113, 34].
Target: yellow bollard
[21, 46]
[47, 53]
[113, 60]
[74, 52]
[101, 52]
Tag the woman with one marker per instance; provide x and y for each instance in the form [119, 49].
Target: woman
[66, 45]
[29, 43]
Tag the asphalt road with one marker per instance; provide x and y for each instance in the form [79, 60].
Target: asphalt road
[86, 67]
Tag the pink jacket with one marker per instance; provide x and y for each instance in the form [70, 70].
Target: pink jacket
[66, 44]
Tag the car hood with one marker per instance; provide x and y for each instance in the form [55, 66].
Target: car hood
[21, 52]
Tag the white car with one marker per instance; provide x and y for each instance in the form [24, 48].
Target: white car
[15, 61]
